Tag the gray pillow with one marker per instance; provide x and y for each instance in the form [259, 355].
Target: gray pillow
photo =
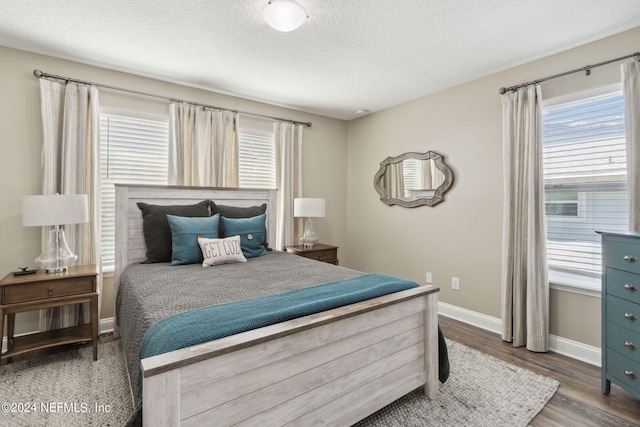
[156, 229]
[239, 212]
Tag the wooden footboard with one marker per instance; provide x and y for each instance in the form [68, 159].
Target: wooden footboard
[334, 367]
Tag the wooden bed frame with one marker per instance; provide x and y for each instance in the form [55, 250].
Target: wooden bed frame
[335, 367]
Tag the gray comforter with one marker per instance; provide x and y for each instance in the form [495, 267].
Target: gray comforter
[150, 292]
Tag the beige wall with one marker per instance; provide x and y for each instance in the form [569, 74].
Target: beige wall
[462, 236]
[324, 150]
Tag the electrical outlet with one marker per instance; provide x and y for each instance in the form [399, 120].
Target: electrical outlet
[429, 277]
[455, 283]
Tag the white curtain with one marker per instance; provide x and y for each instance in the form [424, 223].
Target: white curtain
[288, 153]
[432, 177]
[203, 146]
[71, 165]
[631, 90]
[525, 286]
[394, 180]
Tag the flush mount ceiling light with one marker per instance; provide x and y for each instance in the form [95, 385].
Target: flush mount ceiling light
[284, 15]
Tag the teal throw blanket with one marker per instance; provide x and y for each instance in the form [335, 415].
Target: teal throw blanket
[217, 321]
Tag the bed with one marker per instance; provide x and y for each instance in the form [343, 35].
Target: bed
[336, 366]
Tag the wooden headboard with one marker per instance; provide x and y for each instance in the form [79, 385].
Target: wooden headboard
[130, 246]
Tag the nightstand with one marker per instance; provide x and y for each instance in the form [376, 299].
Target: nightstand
[319, 252]
[44, 290]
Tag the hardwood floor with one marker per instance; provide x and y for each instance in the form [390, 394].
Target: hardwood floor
[578, 401]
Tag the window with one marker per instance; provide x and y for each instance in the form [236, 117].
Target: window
[256, 158]
[585, 181]
[133, 150]
[563, 204]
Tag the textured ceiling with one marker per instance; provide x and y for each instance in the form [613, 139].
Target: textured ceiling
[349, 55]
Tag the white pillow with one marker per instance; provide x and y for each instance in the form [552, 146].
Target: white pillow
[221, 251]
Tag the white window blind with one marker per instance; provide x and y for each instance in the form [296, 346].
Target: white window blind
[132, 151]
[584, 163]
[411, 174]
[256, 157]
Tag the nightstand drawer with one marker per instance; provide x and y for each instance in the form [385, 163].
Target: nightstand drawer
[624, 313]
[325, 255]
[625, 370]
[319, 252]
[623, 284]
[623, 341]
[44, 290]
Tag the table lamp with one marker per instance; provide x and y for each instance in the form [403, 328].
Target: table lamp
[55, 211]
[310, 208]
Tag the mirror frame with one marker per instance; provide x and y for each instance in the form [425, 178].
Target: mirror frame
[439, 192]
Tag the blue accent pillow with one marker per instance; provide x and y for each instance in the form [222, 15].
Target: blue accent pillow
[251, 232]
[157, 233]
[184, 237]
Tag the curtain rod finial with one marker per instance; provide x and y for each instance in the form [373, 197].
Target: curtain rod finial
[37, 73]
[502, 91]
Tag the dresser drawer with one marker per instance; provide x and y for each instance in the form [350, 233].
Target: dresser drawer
[623, 284]
[623, 256]
[623, 369]
[624, 341]
[624, 313]
[51, 289]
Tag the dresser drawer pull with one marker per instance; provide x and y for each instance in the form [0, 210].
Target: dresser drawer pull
[629, 258]
[630, 287]
[630, 345]
[50, 290]
[630, 316]
[630, 374]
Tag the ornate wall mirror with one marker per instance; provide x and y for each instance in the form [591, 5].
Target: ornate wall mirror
[413, 179]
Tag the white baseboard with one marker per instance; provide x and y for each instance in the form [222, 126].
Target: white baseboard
[105, 326]
[489, 323]
[574, 349]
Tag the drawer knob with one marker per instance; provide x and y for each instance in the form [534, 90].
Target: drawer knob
[630, 287]
[629, 258]
[630, 316]
[630, 345]
[50, 290]
[630, 374]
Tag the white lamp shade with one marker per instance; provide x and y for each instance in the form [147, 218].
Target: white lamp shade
[59, 209]
[307, 207]
[284, 15]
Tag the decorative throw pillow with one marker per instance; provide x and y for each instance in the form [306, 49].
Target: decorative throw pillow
[156, 230]
[251, 232]
[221, 251]
[239, 212]
[184, 237]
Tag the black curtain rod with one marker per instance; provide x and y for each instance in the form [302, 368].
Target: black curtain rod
[39, 74]
[586, 69]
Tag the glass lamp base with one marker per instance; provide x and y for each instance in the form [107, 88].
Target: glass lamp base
[309, 237]
[57, 257]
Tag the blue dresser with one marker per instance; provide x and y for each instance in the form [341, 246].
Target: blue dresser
[621, 311]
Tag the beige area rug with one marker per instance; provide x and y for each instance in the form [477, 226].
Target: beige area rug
[67, 389]
[481, 391]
